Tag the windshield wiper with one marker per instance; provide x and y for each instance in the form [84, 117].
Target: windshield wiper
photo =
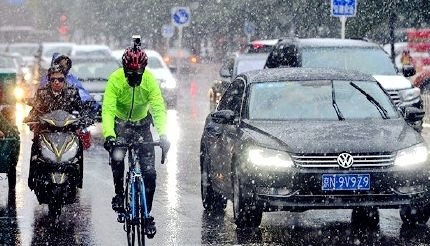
[333, 102]
[371, 99]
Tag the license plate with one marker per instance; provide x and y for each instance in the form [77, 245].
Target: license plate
[345, 182]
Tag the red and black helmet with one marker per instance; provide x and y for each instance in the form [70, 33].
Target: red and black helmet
[134, 59]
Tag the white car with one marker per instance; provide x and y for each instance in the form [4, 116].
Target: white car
[49, 48]
[164, 76]
[88, 50]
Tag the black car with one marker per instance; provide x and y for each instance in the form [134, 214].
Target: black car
[348, 54]
[297, 138]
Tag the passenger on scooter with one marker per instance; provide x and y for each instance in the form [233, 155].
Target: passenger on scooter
[130, 92]
[93, 107]
[56, 95]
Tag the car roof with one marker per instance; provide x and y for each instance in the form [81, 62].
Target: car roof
[329, 42]
[90, 47]
[305, 74]
[92, 58]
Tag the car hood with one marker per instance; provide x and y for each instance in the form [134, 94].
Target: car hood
[393, 82]
[358, 136]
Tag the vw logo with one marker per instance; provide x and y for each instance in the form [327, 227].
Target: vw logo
[345, 160]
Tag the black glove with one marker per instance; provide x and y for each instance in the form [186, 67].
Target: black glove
[109, 143]
[165, 146]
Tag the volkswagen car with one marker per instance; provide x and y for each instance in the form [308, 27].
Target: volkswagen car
[295, 139]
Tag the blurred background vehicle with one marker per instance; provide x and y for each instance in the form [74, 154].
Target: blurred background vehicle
[232, 66]
[8, 79]
[162, 73]
[93, 72]
[260, 46]
[90, 50]
[181, 60]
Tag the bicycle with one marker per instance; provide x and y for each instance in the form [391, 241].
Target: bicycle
[136, 212]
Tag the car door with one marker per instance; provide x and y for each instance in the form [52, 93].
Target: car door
[224, 136]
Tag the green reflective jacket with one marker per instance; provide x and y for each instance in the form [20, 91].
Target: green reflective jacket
[118, 102]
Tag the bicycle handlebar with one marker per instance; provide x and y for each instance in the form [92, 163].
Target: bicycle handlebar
[140, 143]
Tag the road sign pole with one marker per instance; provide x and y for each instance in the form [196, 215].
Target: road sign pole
[180, 47]
[343, 25]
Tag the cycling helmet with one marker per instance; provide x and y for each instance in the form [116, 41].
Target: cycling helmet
[134, 59]
[57, 58]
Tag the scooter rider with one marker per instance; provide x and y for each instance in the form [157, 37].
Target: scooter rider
[130, 93]
[56, 95]
[88, 102]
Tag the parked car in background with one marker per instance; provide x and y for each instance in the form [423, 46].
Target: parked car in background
[162, 73]
[232, 66]
[94, 72]
[296, 139]
[49, 48]
[90, 50]
[118, 54]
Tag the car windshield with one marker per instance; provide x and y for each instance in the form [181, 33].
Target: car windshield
[48, 52]
[93, 69]
[247, 65]
[154, 63]
[362, 59]
[92, 53]
[318, 100]
[6, 62]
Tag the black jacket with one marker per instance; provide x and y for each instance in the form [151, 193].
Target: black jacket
[46, 101]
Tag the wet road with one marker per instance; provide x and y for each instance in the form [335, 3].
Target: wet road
[177, 208]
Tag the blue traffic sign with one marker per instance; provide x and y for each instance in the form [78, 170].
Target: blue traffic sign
[167, 31]
[346, 8]
[181, 16]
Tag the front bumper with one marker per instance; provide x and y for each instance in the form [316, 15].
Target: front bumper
[301, 189]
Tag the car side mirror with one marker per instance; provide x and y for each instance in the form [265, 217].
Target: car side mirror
[225, 73]
[223, 117]
[413, 114]
[173, 69]
[408, 71]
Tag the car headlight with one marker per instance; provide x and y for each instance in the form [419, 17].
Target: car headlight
[414, 155]
[67, 155]
[167, 83]
[269, 158]
[19, 93]
[409, 95]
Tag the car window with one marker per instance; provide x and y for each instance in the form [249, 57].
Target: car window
[363, 59]
[250, 65]
[306, 100]
[232, 98]
[154, 62]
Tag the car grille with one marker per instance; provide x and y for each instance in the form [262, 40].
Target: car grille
[394, 96]
[330, 160]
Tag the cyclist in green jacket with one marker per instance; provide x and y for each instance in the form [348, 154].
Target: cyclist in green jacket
[131, 91]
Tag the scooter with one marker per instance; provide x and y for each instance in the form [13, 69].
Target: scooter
[57, 164]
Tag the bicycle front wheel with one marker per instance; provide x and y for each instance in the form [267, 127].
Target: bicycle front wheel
[129, 207]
